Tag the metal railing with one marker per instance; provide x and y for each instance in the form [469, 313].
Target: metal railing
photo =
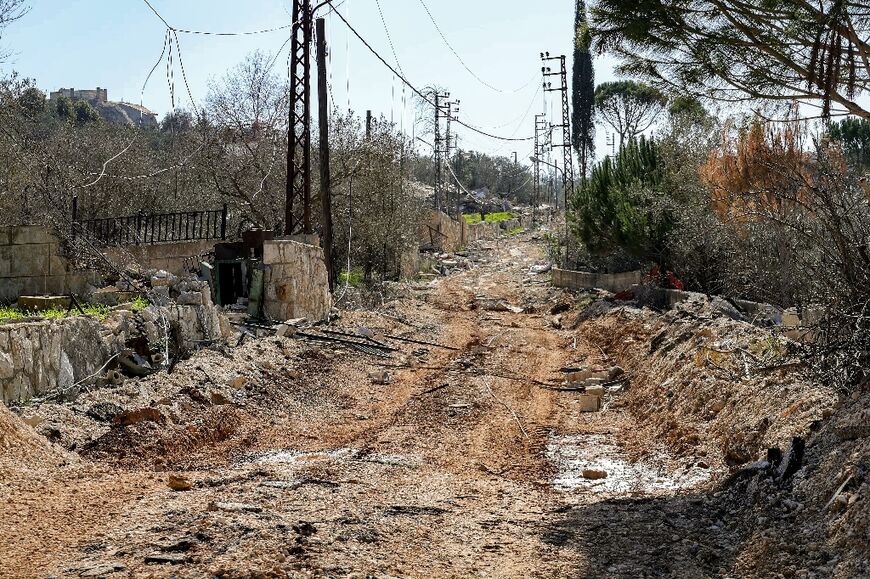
[150, 229]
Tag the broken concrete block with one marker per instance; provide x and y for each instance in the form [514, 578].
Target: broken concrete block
[381, 377]
[596, 390]
[589, 403]
[594, 474]
[286, 331]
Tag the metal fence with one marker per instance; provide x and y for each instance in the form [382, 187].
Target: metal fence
[150, 229]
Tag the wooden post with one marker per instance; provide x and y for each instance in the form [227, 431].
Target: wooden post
[323, 116]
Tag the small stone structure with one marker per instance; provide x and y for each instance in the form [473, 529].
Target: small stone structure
[612, 282]
[295, 281]
[31, 263]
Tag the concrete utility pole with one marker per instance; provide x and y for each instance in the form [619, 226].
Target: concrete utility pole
[323, 115]
[450, 142]
[298, 187]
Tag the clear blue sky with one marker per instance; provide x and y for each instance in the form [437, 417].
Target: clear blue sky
[114, 43]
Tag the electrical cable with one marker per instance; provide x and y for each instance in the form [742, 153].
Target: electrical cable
[417, 91]
[459, 58]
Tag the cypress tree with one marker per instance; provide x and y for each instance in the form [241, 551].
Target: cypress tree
[583, 93]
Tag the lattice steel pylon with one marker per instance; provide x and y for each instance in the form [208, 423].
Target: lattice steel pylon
[299, 128]
[441, 109]
[568, 159]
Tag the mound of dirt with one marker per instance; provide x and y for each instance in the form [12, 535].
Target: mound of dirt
[23, 448]
[711, 385]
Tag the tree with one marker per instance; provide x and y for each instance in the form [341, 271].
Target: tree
[620, 204]
[32, 102]
[63, 108]
[629, 107]
[85, 113]
[853, 135]
[739, 50]
[10, 11]
[583, 92]
[246, 113]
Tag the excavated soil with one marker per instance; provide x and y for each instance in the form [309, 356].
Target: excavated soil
[289, 458]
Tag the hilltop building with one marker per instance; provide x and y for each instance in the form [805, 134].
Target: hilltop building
[121, 113]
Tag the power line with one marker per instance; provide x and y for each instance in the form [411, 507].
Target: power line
[210, 33]
[389, 37]
[459, 58]
[415, 89]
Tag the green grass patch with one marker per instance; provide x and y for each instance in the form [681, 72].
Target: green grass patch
[12, 313]
[516, 231]
[474, 218]
[352, 278]
[140, 304]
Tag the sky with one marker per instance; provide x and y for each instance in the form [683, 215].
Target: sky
[115, 43]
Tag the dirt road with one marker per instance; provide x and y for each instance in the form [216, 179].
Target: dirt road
[303, 464]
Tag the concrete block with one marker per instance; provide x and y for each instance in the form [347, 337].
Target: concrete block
[42, 303]
[32, 235]
[589, 403]
[57, 263]
[6, 235]
[29, 260]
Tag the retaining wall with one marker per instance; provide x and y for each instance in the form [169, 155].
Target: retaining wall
[295, 281]
[31, 263]
[443, 233]
[40, 356]
[171, 257]
[578, 280]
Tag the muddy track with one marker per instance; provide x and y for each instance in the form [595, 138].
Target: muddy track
[446, 471]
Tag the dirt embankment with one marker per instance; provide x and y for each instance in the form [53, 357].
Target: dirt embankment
[735, 396]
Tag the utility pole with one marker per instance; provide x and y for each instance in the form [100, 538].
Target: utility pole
[298, 187]
[439, 144]
[368, 125]
[323, 116]
[567, 159]
[450, 142]
[540, 129]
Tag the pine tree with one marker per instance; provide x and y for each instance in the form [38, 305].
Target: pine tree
[583, 94]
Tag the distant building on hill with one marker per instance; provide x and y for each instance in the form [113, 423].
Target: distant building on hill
[120, 113]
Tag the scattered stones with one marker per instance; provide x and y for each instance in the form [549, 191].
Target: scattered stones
[381, 377]
[102, 569]
[234, 507]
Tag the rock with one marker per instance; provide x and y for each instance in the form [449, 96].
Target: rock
[594, 474]
[178, 545]
[102, 569]
[234, 507]
[104, 411]
[381, 377]
[166, 559]
[179, 483]
[791, 462]
[129, 417]
[218, 398]
[239, 382]
[286, 331]
[189, 299]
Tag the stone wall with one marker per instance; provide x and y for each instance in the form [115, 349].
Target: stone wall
[44, 355]
[31, 263]
[171, 257]
[443, 233]
[578, 280]
[295, 281]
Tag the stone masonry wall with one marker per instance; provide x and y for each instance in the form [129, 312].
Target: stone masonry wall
[295, 281]
[31, 263]
[171, 257]
[44, 355]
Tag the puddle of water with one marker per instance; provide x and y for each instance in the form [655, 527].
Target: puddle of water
[297, 457]
[574, 454]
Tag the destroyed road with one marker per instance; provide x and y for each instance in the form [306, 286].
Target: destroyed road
[283, 457]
